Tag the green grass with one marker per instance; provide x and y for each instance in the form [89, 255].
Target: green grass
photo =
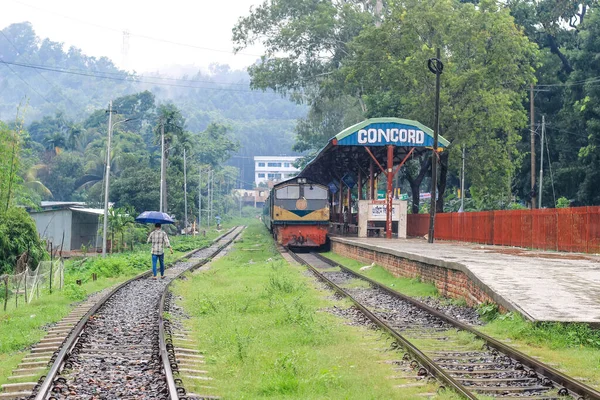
[22, 327]
[259, 323]
[409, 287]
[574, 349]
[571, 348]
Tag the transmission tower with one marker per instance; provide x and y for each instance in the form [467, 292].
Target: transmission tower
[125, 48]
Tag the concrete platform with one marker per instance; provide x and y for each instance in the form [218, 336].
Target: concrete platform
[543, 286]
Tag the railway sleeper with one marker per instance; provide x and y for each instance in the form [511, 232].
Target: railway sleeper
[508, 389]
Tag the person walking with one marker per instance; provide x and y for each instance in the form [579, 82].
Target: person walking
[159, 240]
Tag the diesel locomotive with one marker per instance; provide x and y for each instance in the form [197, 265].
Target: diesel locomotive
[297, 213]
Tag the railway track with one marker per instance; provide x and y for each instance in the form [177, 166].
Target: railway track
[122, 348]
[471, 363]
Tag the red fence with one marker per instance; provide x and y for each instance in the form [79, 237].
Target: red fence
[564, 229]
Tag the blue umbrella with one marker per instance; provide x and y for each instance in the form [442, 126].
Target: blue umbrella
[154, 217]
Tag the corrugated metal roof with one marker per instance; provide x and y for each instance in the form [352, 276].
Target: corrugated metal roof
[96, 211]
[61, 203]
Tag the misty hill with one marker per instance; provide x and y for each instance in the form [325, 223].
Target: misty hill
[48, 80]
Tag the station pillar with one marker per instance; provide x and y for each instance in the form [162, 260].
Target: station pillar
[341, 204]
[359, 197]
[371, 180]
[388, 195]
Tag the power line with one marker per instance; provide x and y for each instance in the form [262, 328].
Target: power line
[576, 83]
[126, 75]
[39, 73]
[131, 79]
[26, 83]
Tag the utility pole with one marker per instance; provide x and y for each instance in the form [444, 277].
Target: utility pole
[199, 197]
[185, 189]
[435, 65]
[542, 160]
[532, 134]
[462, 182]
[162, 164]
[208, 211]
[107, 180]
[212, 194]
[378, 11]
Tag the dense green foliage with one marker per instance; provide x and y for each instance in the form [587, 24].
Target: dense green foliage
[350, 60]
[17, 236]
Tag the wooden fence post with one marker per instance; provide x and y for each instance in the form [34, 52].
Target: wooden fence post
[17, 294]
[25, 286]
[5, 291]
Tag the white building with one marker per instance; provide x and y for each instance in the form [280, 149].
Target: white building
[274, 169]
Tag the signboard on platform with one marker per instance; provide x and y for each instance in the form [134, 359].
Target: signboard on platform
[378, 212]
[372, 217]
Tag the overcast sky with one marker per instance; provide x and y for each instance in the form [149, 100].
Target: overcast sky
[97, 28]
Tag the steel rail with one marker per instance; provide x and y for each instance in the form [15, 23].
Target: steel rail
[175, 390]
[580, 389]
[71, 341]
[432, 367]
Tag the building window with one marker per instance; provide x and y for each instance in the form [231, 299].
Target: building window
[261, 164]
[274, 164]
[261, 175]
[287, 164]
[274, 176]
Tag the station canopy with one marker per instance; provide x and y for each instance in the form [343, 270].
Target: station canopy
[347, 153]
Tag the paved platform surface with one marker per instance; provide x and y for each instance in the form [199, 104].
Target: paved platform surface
[545, 286]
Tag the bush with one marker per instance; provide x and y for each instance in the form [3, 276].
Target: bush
[563, 202]
[18, 234]
[75, 292]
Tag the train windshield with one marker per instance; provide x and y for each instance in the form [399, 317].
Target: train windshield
[289, 192]
[315, 192]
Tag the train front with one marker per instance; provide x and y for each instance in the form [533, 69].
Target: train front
[300, 213]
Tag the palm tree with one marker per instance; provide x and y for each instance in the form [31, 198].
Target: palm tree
[172, 123]
[54, 143]
[32, 180]
[75, 132]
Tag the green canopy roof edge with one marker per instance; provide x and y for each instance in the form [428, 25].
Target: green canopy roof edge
[350, 130]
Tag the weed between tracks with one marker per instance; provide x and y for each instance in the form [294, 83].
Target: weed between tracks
[409, 287]
[258, 321]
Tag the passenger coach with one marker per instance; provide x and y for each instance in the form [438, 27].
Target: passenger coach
[297, 213]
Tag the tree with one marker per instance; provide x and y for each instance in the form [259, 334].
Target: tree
[119, 219]
[586, 98]
[305, 42]
[17, 236]
[214, 145]
[172, 123]
[487, 61]
[55, 143]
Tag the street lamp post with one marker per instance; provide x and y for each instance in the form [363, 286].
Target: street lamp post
[185, 190]
[107, 177]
